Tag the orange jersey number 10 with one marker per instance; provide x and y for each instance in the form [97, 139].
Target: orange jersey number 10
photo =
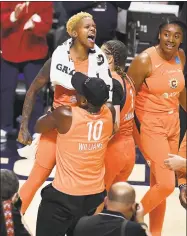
[95, 130]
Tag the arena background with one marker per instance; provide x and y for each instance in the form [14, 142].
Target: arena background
[137, 39]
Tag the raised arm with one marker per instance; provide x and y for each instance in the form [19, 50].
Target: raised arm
[39, 82]
[140, 69]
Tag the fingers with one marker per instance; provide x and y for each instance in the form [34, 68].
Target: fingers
[17, 6]
[171, 155]
[166, 161]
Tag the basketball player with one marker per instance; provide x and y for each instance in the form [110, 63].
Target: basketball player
[79, 27]
[159, 82]
[120, 154]
[83, 134]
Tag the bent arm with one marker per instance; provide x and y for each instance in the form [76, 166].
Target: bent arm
[46, 123]
[60, 119]
[39, 82]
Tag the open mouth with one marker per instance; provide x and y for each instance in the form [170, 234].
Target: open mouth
[91, 38]
[170, 46]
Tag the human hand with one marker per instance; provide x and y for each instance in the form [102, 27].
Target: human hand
[29, 25]
[139, 218]
[175, 162]
[18, 9]
[24, 136]
[183, 196]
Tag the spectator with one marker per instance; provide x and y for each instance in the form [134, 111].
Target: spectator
[24, 48]
[104, 14]
[10, 216]
[116, 220]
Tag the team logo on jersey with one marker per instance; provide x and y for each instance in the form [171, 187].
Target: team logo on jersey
[173, 83]
[177, 60]
[100, 59]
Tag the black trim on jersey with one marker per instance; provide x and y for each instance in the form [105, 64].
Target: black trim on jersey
[119, 94]
[137, 122]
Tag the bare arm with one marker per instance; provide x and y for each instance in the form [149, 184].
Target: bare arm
[140, 69]
[60, 119]
[39, 82]
[46, 123]
[182, 97]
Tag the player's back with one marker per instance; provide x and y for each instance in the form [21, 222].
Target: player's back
[127, 112]
[80, 153]
[127, 105]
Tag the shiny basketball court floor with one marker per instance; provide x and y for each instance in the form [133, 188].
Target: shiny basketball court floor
[175, 219]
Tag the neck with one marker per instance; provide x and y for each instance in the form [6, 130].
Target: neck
[93, 110]
[164, 55]
[126, 214]
[79, 52]
[112, 69]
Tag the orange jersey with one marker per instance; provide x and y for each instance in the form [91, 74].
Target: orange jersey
[160, 91]
[80, 153]
[66, 96]
[127, 112]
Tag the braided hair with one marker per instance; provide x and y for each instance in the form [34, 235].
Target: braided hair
[119, 52]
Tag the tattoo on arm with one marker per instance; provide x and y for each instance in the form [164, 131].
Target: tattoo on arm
[39, 82]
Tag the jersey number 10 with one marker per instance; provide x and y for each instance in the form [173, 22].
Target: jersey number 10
[95, 130]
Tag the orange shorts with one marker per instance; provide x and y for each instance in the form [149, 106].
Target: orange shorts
[119, 159]
[156, 135]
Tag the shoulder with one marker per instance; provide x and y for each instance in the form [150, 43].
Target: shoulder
[182, 56]
[143, 58]
[134, 228]
[141, 63]
[117, 77]
[62, 111]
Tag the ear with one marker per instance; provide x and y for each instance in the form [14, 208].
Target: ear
[159, 36]
[74, 34]
[84, 102]
[106, 201]
[110, 59]
[134, 207]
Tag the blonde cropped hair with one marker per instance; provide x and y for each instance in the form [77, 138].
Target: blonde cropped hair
[72, 22]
